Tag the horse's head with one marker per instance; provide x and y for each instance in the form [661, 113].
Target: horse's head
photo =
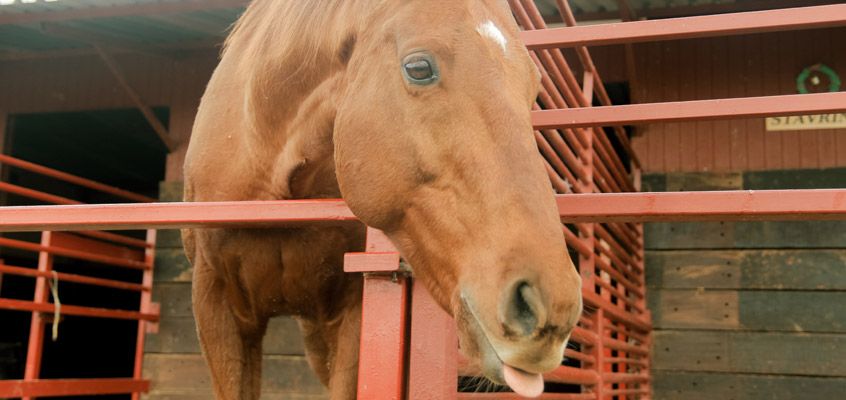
[434, 145]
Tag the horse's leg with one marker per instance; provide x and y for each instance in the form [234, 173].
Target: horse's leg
[332, 350]
[343, 381]
[231, 346]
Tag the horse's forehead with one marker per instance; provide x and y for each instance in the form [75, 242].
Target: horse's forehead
[489, 29]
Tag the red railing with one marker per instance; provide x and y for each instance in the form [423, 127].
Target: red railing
[408, 347]
[94, 246]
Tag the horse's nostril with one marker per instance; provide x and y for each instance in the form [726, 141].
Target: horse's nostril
[523, 309]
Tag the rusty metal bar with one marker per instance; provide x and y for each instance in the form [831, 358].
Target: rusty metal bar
[698, 110]
[687, 28]
[22, 305]
[822, 204]
[146, 306]
[71, 387]
[33, 273]
[76, 180]
[71, 253]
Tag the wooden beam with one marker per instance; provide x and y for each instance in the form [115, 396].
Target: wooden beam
[104, 41]
[129, 10]
[179, 48]
[627, 13]
[151, 118]
[3, 118]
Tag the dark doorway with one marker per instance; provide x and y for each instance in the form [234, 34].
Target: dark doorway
[115, 147]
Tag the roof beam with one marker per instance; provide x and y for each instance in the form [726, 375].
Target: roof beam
[94, 39]
[151, 118]
[145, 9]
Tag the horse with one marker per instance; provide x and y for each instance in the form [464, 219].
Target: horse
[417, 114]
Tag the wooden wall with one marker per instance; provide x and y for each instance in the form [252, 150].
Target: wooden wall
[172, 358]
[84, 83]
[747, 310]
[726, 67]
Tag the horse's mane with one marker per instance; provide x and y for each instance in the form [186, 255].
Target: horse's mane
[267, 27]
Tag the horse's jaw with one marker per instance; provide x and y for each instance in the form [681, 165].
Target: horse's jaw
[477, 345]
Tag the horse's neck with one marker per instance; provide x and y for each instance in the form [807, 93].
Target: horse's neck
[289, 97]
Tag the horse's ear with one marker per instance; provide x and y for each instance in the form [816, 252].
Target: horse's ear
[347, 47]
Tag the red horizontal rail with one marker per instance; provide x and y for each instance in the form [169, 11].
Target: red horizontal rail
[87, 280]
[36, 195]
[826, 204]
[624, 377]
[749, 205]
[94, 312]
[72, 253]
[698, 110]
[513, 396]
[253, 214]
[71, 387]
[688, 27]
[64, 176]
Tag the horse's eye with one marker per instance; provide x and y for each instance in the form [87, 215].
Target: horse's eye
[420, 69]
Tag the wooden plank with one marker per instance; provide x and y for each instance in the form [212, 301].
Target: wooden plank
[172, 265]
[178, 335]
[694, 181]
[170, 191]
[738, 134]
[794, 179]
[670, 82]
[751, 352]
[754, 87]
[719, 90]
[175, 299]
[786, 311]
[747, 269]
[710, 386]
[3, 118]
[169, 239]
[704, 90]
[745, 235]
[187, 373]
[681, 309]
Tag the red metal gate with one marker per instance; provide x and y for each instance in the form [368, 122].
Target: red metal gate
[417, 360]
[107, 249]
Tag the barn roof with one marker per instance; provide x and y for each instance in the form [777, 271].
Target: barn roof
[50, 28]
[33, 28]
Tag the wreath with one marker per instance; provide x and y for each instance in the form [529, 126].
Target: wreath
[812, 74]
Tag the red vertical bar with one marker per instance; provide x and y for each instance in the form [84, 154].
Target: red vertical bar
[433, 351]
[36, 327]
[146, 307]
[381, 369]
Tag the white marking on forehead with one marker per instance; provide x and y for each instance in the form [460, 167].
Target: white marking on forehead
[491, 31]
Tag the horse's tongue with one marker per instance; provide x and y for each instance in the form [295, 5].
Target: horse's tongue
[523, 383]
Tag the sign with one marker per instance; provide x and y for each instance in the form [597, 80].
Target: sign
[807, 122]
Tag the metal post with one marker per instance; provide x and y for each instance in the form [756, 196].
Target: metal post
[36, 327]
[382, 354]
[147, 306]
[433, 349]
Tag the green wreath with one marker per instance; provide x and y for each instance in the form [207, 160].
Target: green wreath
[834, 79]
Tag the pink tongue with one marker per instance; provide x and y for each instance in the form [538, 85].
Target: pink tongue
[523, 383]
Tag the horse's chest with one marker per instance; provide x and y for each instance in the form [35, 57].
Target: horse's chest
[290, 271]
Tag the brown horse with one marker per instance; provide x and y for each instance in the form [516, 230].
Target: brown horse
[417, 113]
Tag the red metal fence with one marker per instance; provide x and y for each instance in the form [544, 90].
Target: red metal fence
[408, 343]
[107, 249]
